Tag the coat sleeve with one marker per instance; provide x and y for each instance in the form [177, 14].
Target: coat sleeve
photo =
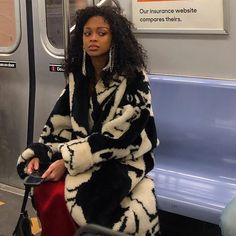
[127, 133]
[56, 130]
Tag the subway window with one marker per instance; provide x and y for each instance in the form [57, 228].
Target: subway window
[9, 25]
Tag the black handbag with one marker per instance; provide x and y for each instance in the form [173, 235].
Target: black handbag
[23, 226]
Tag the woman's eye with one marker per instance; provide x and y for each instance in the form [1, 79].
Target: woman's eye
[87, 34]
[102, 33]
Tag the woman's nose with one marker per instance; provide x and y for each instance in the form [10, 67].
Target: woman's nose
[93, 37]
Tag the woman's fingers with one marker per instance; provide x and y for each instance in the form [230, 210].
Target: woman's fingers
[55, 171]
[33, 165]
[47, 173]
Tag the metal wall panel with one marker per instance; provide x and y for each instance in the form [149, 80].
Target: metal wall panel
[48, 84]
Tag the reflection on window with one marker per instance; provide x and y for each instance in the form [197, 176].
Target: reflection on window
[54, 19]
[7, 23]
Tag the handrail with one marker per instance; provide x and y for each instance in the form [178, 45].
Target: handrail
[66, 27]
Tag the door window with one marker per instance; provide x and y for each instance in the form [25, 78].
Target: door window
[54, 20]
[9, 25]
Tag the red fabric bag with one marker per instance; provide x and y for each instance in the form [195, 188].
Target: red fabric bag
[51, 207]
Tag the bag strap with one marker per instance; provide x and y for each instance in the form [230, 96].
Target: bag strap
[26, 195]
[22, 211]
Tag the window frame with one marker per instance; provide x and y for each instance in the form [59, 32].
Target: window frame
[15, 45]
[52, 50]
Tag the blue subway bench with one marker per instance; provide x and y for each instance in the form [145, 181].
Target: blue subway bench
[195, 169]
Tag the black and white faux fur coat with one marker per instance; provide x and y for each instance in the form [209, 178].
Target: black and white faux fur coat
[106, 141]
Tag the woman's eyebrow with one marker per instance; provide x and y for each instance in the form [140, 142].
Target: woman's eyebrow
[103, 27]
[100, 27]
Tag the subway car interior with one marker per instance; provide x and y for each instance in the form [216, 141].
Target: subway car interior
[191, 68]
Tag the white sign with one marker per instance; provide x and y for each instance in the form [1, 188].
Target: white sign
[179, 16]
[8, 64]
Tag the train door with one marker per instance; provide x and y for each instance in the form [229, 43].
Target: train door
[31, 72]
[14, 86]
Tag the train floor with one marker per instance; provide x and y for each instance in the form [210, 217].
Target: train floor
[171, 224]
[10, 204]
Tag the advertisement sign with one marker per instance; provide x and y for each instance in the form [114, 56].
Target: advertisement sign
[179, 16]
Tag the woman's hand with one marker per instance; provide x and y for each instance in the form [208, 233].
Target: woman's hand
[33, 165]
[55, 171]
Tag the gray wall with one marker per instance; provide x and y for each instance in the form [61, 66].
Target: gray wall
[192, 54]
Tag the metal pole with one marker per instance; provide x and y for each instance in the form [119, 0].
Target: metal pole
[66, 26]
[32, 76]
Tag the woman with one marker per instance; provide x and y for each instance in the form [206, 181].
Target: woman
[100, 135]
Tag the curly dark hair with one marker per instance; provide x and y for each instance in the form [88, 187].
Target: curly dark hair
[129, 54]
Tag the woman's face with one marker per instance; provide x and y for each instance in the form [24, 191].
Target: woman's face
[97, 37]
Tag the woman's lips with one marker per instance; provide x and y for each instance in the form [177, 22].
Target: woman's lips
[93, 47]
